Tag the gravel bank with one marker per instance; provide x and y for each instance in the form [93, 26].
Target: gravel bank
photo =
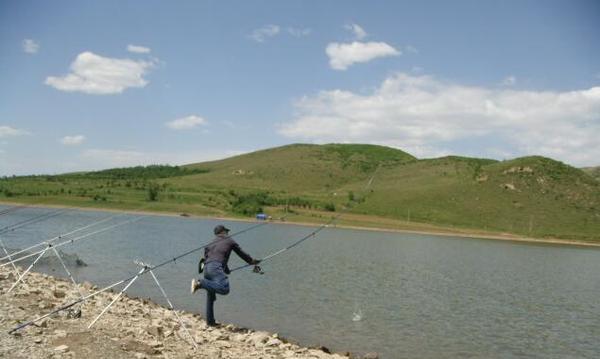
[132, 328]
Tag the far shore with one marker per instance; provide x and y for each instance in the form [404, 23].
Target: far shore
[441, 231]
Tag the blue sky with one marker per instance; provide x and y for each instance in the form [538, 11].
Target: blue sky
[98, 84]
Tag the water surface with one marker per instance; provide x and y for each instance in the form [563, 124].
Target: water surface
[420, 296]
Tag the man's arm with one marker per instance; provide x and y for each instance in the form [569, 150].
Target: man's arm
[245, 256]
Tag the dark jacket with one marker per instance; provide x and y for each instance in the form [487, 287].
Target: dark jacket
[220, 249]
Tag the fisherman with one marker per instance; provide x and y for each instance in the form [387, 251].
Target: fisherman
[216, 256]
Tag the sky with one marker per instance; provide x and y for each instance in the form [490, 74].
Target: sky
[88, 85]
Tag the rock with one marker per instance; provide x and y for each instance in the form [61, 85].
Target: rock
[59, 294]
[59, 333]
[258, 338]
[154, 343]
[154, 330]
[62, 348]
[38, 340]
[273, 342]
[222, 344]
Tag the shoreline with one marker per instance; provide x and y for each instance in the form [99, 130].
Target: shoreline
[132, 328]
[508, 237]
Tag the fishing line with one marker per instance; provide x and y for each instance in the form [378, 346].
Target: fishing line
[73, 240]
[310, 235]
[129, 279]
[36, 219]
[61, 236]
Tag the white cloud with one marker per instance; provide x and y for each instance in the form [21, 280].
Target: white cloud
[7, 131]
[427, 117]
[72, 140]
[296, 32]
[186, 123]
[342, 56]
[260, 35]
[509, 81]
[30, 46]
[94, 74]
[138, 49]
[359, 32]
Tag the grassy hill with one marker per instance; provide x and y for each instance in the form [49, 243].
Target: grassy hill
[532, 196]
[593, 171]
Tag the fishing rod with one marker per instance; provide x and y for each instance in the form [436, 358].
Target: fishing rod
[70, 241]
[134, 277]
[53, 247]
[61, 236]
[11, 228]
[35, 219]
[312, 234]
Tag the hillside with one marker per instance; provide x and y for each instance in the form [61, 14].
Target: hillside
[593, 171]
[530, 196]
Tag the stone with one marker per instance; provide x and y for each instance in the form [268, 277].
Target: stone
[273, 342]
[59, 294]
[62, 348]
[371, 355]
[258, 338]
[154, 330]
[59, 333]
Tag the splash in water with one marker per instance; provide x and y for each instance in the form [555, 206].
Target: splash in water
[357, 316]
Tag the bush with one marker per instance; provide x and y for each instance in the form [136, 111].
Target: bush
[329, 207]
[153, 189]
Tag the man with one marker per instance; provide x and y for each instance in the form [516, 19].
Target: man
[216, 256]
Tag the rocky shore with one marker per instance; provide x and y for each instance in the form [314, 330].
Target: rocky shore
[132, 328]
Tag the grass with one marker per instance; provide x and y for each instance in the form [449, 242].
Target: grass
[529, 196]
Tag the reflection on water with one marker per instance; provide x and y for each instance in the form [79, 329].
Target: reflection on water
[402, 295]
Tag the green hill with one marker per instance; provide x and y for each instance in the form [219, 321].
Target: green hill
[531, 196]
[593, 171]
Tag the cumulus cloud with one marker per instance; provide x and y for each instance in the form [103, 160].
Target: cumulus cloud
[30, 46]
[72, 140]
[94, 74]
[138, 49]
[296, 32]
[7, 131]
[429, 117]
[344, 55]
[260, 35]
[359, 32]
[186, 123]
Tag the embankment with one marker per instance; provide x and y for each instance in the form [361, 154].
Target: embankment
[132, 328]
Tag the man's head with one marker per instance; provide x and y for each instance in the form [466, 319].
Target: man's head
[221, 229]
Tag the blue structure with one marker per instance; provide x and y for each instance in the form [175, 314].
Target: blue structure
[261, 217]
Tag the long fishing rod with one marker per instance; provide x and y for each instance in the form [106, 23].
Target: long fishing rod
[70, 241]
[36, 219]
[61, 236]
[53, 247]
[129, 279]
[310, 235]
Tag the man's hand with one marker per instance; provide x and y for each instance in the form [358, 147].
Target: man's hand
[255, 262]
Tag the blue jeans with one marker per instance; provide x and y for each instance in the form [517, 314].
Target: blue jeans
[215, 282]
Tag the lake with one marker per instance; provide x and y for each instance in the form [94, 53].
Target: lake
[416, 296]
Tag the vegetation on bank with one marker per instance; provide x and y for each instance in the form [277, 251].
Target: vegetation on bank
[530, 196]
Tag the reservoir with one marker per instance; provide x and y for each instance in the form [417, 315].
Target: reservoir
[401, 295]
